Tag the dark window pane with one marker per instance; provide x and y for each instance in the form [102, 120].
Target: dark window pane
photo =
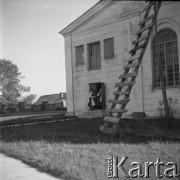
[79, 54]
[109, 48]
[94, 56]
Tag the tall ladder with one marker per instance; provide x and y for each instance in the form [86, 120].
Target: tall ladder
[122, 95]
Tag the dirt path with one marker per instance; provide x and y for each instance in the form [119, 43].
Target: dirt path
[24, 116]
[11, 169]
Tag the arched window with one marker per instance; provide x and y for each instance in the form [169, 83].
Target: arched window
[168, 49]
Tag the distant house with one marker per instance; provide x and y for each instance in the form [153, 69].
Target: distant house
[56, 100]
[97, 45]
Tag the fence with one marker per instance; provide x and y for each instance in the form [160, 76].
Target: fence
[22, 107]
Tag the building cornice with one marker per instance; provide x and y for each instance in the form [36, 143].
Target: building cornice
[84, 17]
[109, 21]
[72, 28]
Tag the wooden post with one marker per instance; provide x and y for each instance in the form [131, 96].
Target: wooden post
[162, 85]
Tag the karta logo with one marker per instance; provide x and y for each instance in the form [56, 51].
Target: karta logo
[139, 169]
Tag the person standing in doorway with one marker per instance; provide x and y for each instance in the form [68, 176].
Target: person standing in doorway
[91, 99]
[99, 98]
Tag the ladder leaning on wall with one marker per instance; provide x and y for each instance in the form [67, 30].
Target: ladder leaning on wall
[122, 95]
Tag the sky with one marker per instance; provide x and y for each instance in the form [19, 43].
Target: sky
[29, 37]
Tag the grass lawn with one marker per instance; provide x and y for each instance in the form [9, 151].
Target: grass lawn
[77, 150]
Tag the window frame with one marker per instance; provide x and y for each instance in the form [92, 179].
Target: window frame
[105, 55]
[78, 63]
[152, 59]
[88, 52]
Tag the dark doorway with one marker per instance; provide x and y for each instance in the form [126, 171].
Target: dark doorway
[97, 93]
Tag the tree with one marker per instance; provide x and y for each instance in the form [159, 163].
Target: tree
[29, 99]
[10, 85]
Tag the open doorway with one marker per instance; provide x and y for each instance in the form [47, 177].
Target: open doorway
[96, 96]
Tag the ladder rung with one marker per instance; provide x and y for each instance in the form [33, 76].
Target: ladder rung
[134, 57]
[139, 47]
[144, 28]
[128, 75]
[140, 39]
[117, 110]
[121, 93]
[124, 101]
[122, 84]
[148, 6]
[131, 65]
[147, 19]
[111, 119]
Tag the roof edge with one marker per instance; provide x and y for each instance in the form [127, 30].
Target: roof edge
[90, 12]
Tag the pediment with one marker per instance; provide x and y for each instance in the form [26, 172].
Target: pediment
[104, 12]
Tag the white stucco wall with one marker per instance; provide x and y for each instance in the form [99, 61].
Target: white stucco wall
[69, 75]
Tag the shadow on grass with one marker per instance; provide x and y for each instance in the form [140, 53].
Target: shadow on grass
[33, 119]
[86, 131]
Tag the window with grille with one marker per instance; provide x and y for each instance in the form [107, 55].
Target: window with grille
[79, 55]
[168, 49]
[109, 48]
